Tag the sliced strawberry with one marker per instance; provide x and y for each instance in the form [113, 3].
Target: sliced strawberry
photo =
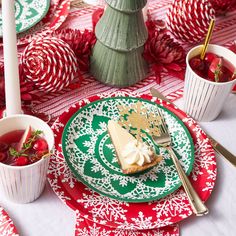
[209, 57]
[215, 71]
[25, 137]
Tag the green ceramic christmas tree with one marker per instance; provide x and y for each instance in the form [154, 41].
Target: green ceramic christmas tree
[121, 33]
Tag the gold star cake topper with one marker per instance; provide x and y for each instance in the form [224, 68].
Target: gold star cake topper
[138, 120]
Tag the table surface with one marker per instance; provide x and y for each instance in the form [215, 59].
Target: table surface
[48, 216]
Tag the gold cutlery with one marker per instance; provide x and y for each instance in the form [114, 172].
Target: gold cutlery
[207, 40]
[164, 140]
[217, 146]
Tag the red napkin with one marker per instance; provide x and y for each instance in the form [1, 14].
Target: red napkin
[86, 227]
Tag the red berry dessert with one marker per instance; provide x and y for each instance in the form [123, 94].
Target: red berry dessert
[213, 68]
[22, 147]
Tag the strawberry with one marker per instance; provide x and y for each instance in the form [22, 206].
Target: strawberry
[40, 145]
[215, 69]
[21, 161]
[209, 57]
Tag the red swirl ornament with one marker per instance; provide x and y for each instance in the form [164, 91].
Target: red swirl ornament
[188, 20]
[50, 63]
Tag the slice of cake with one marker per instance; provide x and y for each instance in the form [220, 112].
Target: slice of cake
[133, 156]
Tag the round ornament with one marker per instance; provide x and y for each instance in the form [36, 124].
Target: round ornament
[188, 20]
[50, 63]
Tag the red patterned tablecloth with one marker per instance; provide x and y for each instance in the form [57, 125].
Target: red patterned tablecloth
[80, 18]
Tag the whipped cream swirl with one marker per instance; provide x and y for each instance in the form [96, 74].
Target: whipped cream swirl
[139, 154]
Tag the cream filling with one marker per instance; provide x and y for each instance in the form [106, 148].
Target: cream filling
[134, 153]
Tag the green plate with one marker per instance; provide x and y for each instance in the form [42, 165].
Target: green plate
[28, 13]
[90, 155]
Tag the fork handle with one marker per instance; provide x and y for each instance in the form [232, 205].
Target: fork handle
[196, 203]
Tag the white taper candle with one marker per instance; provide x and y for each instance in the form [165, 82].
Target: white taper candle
[11, 71]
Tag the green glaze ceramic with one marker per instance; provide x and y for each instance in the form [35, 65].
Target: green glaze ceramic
[121, 31]
[127, 5]
[116, 68]
[90, 154]
[28, 13]
[121, 34]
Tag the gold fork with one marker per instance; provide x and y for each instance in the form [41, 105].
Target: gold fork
[164, 140]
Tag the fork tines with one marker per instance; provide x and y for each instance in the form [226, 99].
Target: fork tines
[164, 128]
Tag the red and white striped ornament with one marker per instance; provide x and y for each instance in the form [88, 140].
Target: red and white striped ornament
[50, 63]
[188, 20]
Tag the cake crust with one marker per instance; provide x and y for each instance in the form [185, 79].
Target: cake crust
[136, 168]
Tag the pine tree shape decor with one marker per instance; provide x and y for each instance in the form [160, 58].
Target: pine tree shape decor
[121, 34]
